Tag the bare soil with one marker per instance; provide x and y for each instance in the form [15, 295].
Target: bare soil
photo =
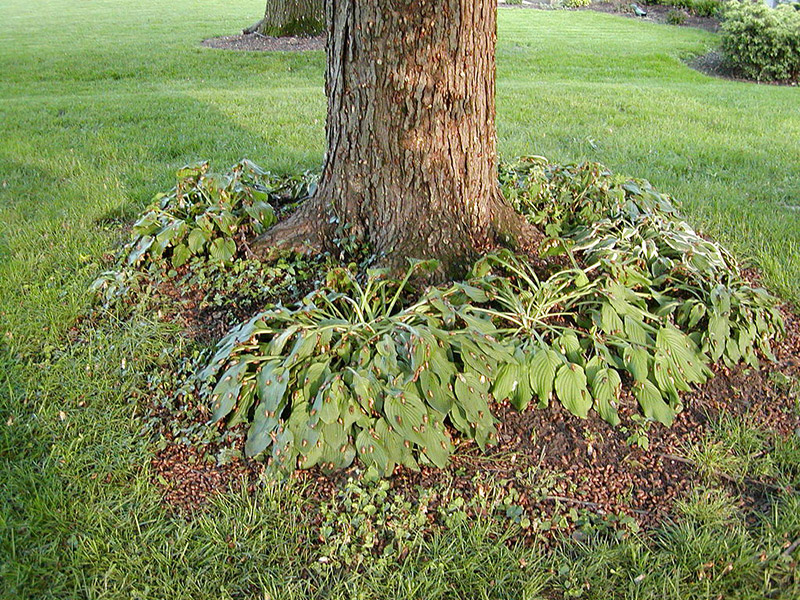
[555, 461]
[655, 13]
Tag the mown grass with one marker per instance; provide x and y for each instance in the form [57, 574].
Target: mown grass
[100, 102]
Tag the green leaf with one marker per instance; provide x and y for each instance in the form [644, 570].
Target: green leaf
[719, 330]
[507, 381]
[226, 392]
[636, 362]
[570, 386]
[605, 388]
[197, 239]
[180, 255]
[570, 346]
[371, 451]
[271, 383]
[436, 394]
[610, 322]
[262, 214]
[142, 245]
[406, 413]
[653, 405]
[222, 250]
[542, 367]
[437, 445]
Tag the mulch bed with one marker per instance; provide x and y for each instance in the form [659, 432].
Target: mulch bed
[655, 14]
[590, 464]
[256, 42]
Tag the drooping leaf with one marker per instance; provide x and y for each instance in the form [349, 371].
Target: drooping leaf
[570, 386]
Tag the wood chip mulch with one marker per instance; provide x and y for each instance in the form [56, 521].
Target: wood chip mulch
[255, 42]
[553, 460]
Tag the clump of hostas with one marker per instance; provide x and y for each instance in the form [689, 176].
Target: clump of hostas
[367, 366]
[203, 222]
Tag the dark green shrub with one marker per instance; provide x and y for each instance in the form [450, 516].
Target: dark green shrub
[706, 8]
[676, 17]
[762, 43]
[700, 8]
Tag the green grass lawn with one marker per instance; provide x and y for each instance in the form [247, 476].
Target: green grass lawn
[100, 102]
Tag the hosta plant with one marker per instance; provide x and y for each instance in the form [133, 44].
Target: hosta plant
[204, 220]
[368, 366]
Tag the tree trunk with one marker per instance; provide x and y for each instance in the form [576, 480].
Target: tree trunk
[292, 17]
[411, 164]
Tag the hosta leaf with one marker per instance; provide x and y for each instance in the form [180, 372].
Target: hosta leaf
[434, 392]
[247, 397]
[473, 293]
[696, 314]
[437, 445]
[222, 250]
[147, 225]
[477, 360]
[263, 214]
[635, 332]
[636, 362]
[665, 376]
[508, 377]
[398, 449]
[653, 405]
[261, 433]
[142, 245]
[719, 330]
[303, 347]
[371, 451]
[272, 381]
[180, 255]
[314, 377]
[226, 392]
[609, 320]
[570, 346]
[284, 451]
[197, 239]
[407, 415]
[570, 386]
[542, 371]
[605, 387]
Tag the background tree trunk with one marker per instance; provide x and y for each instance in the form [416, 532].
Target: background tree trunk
[411, 165]
[291, 17]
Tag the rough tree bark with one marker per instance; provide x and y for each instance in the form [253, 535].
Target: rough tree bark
[291, 17]
[411, 163]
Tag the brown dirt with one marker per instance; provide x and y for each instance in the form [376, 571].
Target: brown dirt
[553, 460]
[655, 14]
[256, 42]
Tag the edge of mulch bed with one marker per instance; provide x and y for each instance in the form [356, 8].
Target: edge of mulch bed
[255, 42]
[713, 64]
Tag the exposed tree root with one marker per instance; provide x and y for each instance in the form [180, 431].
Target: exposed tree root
[253, 28]
[310, 230]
